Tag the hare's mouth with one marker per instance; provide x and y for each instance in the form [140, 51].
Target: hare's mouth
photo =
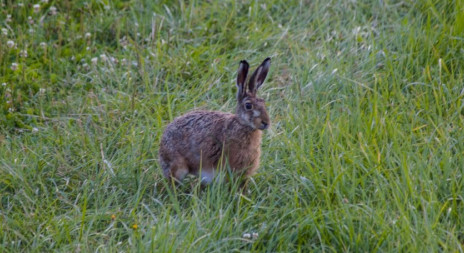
[264, 125]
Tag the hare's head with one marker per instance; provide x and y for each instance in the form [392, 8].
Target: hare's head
[251, 110]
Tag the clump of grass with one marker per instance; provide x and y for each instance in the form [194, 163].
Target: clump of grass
[364, 153]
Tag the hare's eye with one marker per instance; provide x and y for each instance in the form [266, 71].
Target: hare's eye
[248, 106]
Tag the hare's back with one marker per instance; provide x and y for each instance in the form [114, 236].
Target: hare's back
[192, 128]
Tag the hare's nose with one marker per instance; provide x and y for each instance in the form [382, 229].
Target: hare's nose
[264, 125]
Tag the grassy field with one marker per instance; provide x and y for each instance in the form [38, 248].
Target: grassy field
[365, 152]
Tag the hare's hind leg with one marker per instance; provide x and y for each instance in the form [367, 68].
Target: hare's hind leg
[175, 169]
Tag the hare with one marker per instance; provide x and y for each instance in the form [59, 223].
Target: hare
[200, 142]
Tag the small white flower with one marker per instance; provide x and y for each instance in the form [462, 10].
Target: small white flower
[107, 7]
[3, 84]
[253, 236]
[334, 71]
[103, 57]
[23, 53]
[43, 45]
[114, 60]
[36, 8]
[53, 10]
[135, 64]
[20, 4]
[41, 90]
[10, 43]
[124, 61]
[87, 35]
[31, 30]
[35, 130]
[30, 20]
[14, 66]
[8, 18]
[44, 1]
[87, 48]
[94, 60]
[5, 31]
[123, 41]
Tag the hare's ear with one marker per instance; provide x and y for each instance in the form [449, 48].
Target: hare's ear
[258, 77]
[241, 78]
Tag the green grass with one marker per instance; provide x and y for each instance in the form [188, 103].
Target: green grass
[365, 153]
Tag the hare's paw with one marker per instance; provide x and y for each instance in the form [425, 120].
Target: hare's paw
[206, 176]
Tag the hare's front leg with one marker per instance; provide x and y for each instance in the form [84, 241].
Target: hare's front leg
[206, 175]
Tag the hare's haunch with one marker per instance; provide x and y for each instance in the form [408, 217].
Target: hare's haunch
[200, 142]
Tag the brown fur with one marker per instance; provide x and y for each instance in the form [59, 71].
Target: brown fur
[207, 140]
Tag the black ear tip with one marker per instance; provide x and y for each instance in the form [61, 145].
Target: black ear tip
[244, 62]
